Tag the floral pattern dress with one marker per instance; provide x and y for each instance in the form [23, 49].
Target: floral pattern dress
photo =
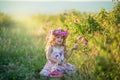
[52, 68]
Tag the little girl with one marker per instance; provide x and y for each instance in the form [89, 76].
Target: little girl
[55, 54]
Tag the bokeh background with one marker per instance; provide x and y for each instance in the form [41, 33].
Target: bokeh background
[24, 26]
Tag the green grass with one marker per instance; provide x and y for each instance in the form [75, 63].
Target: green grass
[21, 54]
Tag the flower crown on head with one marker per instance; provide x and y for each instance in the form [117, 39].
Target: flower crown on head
[59, 32]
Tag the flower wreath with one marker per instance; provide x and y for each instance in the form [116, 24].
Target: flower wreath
[59, 32]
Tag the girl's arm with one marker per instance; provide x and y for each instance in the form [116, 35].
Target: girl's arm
[67, 55]
[48, 55]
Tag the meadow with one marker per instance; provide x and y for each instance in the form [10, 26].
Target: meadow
[22, 44]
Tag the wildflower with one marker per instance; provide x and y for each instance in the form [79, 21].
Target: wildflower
[85, 42]
[75, 45]
[76, 21]
[82, 39]
[79, 38]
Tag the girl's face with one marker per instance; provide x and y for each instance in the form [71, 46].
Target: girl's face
[59, 40]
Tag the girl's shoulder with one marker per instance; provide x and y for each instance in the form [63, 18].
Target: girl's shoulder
[49, 47]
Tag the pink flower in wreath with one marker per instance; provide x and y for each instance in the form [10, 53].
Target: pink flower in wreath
[52, 32]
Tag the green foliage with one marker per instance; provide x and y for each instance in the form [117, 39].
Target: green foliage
[5, 20]
[116, 13]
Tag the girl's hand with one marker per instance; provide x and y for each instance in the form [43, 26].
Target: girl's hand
[59, 62]
[75, 46]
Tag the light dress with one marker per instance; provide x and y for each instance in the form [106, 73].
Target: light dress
[50, 67]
